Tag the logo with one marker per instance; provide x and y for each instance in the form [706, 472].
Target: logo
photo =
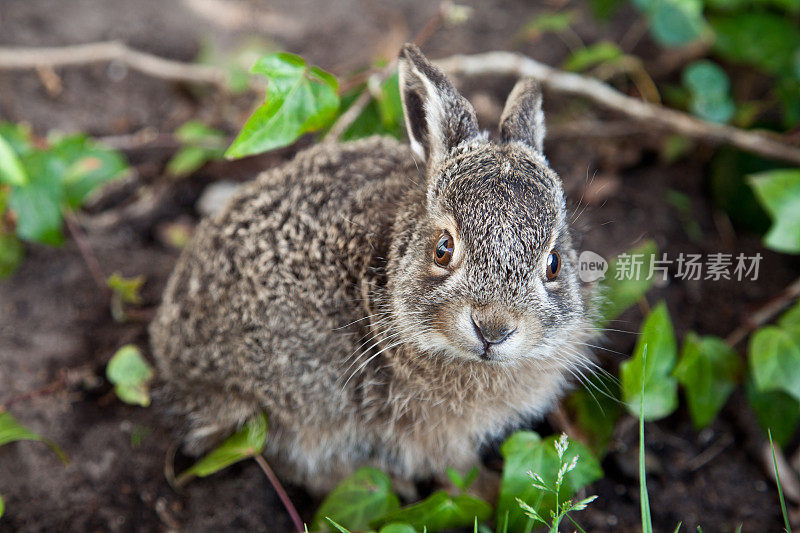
[591, 267]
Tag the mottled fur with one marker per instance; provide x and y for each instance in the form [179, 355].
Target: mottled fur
[313, 296]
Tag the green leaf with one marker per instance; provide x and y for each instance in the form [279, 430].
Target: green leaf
[674, 22]
[299, 99]
[525, 452]
[247, 442]
[126, 288]
[356, 501]
[130, 373]
[660, 388]
[202, 144]
[11, 254]
[548, 22]
[775, 361]
[765, 40]
[595, 408]
[197, 133]
[87, 165]
[38, 212]
[439, 511]
[11, 170]
[619, 294]
[187, 160]
[779, 193]
[462, 483]
[12, 431]
[2, 507]
[709, 87]
[593, 55]
[18, 136]
[709, 371]
[398, 528]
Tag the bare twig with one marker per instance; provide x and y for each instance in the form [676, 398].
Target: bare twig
[503, 63]
[509, 63]
[276, 484]
[764, 314]
[88, 254]
[83, 54]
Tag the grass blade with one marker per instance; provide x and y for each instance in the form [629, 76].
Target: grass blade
[786, 524]
[644, 498]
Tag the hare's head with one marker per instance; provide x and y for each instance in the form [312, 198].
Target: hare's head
[486, 269]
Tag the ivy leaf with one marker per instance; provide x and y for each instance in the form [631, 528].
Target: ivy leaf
[130, 373]
[548, 22]
[762, 39]
[247, 442]
[11, 170]
[201, 144]
[356, 501]
[398, 528]
[525, 452]
[299, 99]
[660, 388]
[593, 55]
[709, 371]
[709, 88]
[18, 136]
[382, 116]
[12, 431]
[779, 193]
[38, 212]
[775, 361]
[620, 294]
[439, 511]
[775, 411]
[87, 165]
[674, 22]
[11, 254]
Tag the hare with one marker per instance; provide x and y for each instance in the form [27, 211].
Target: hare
[382, 311]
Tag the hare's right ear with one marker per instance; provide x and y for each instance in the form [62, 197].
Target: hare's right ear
[437, 117]
[522, 119]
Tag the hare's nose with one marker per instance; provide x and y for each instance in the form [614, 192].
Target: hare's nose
[491, 331]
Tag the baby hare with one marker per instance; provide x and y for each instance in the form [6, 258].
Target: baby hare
[382, 311]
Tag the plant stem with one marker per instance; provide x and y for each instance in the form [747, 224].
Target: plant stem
[88, 254]
[276, 484]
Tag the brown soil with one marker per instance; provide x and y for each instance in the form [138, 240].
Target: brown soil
[53, 317]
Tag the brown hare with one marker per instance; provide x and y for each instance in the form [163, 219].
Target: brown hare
[382, 309]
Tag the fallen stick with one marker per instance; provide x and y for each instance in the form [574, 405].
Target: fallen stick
[86, 54]
[509, 63]
[490, 63]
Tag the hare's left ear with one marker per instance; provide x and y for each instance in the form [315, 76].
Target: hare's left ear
[522, 119]
[437, 117]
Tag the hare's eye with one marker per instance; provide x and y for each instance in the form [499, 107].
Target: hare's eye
[443, 253]
[553, 265]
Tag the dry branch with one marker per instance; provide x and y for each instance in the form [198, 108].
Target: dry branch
[766, 144]
[509, 63]
[84, 54]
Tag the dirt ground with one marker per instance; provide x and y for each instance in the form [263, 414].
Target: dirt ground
[54, 319]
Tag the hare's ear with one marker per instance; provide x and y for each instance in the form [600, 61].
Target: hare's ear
[522, 119]
[437, 117]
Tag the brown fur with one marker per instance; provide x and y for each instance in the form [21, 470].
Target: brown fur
[313, 296]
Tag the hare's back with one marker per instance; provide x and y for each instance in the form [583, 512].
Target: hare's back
[284, 263]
